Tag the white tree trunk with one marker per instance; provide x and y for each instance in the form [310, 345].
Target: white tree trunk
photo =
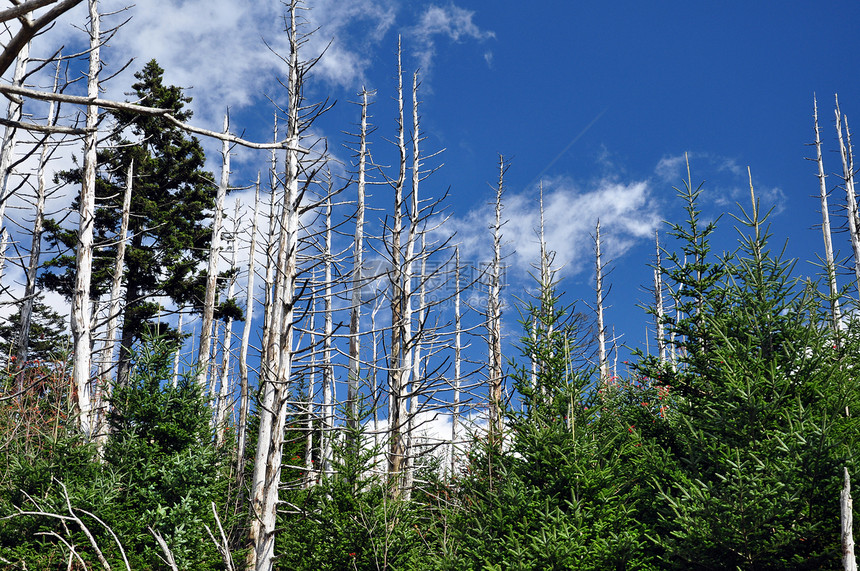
[225, 396]
[849, 563]
[178, 350]
[851, 200]
[659, 311]
[81, 327]
[114, 310]
[397, 369]
[458, 348]
[328, 369]
[214, 257]
[13, 113]
[602, 362]
[244, 398]
[494, 317]
[35, 252]
[357, 278]
[835, 312]
[276, 372]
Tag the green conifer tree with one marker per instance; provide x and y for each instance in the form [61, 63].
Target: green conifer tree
[760, 430]
[172, 199]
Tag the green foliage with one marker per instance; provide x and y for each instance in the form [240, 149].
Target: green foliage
[563, 494]
[171, 473]
[760, 433]
[349, 520]
[159, 470]
[49, 338]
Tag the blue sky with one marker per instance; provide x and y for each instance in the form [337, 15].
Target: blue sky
[598, 100]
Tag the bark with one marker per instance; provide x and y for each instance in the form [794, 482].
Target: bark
[458, 348]
[849, 563]
[328, 368]
[13, 113]
[29, 27]
[494, 317]
[276, 372]
[835, 312]
[178, 350]
[225, 396]
[35, 253]
[851, 200]
[357, 282]
[214, 257]
[80, 321]
[602, 362]
[659, 311]
[113, 311]
[397, 444]
[411, 340]
[244, 398]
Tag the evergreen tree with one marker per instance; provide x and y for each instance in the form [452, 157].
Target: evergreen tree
[760, 425]
[49, 337]
[172, 196]
[559, 493]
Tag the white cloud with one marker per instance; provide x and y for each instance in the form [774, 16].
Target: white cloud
[627, 213]
[452, 22]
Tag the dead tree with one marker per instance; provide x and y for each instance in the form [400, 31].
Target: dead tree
[851, 198]
[276, 370]
[244, 396]
[81, 331]
[659, 308]
[849, 563]
[225, 393]
[29, 26]
[829, 262]
[214, 257]
[494, 316]
[602, 359]
[357, 265]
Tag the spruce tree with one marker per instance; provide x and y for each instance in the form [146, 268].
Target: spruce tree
[760, 430]
[172, 198]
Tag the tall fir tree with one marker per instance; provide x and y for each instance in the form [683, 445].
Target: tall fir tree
[760, 419]
[172, 198]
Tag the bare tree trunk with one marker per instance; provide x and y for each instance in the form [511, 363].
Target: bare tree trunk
[271, 255]
[276, 372]
[848, 176]
[494, 317]
[214, 256]
[849, 563]
[225, 396]
[602, 362]
[178, 349]
[113, 309]
[659, 311]
[35, 251]
[357, 283]
[835, 313]
[81, 330]
[13, 113]
[458, 348]
[410, 338]
[397, 444]
[244, 398]
[327, 432]
[309, 402]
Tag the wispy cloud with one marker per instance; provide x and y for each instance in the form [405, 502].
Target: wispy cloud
[627, 212]
[451, 22]
[727, 182]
